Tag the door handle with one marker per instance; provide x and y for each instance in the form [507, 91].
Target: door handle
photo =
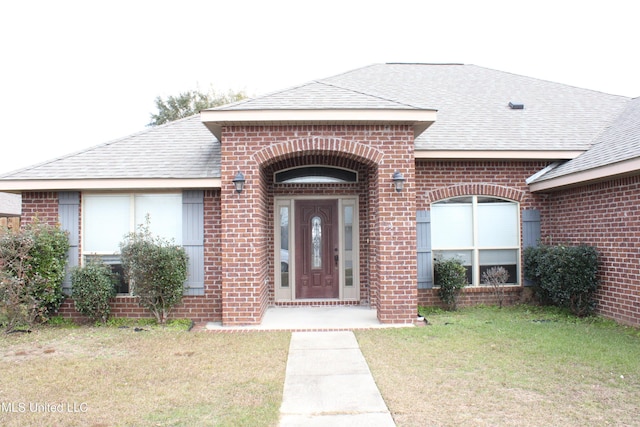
[335, 256]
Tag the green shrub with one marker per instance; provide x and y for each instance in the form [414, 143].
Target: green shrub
[450, 276]
[48, 259]
[156, 270]
[565, 276]
[32, 264]
[92, 286]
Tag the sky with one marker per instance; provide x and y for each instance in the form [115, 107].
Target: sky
[74, 74]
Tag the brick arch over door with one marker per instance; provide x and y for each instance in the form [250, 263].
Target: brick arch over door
[478, 189]
[318, 145]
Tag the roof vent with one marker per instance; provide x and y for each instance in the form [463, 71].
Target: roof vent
[516, 105]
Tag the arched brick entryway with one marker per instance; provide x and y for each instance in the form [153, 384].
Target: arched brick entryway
[247, 218]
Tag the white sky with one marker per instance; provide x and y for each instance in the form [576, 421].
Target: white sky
[74, 74]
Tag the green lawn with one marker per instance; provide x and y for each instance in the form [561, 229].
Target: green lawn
[519, 366]
[155, 377]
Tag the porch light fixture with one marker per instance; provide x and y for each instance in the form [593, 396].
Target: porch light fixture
[398, 181]
[238, 182]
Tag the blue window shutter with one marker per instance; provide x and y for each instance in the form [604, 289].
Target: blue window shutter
[193, 239]
[530, 231]
[68, 215]
[425, 269]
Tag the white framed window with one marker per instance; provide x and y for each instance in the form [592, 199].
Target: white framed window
[482, 232]
[108, 218]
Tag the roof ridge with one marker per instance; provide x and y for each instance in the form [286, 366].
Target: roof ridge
[94, 147]
[266, 95]
[307, 83]
[366, 94]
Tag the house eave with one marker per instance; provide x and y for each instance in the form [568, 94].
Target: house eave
[604, 173]
[20, 185]
[550, 155]
[215, 120]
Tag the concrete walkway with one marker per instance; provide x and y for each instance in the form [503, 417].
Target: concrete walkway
[328, 383]
[323, 318]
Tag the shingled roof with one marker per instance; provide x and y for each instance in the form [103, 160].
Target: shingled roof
[473, 114]
[618, 143]
[472, 104]
[180, 149]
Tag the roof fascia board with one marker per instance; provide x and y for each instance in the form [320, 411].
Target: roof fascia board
[612, 171]
[498, 154]
[419, 119]
[16, 186]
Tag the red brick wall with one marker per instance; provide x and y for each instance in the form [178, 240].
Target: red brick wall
[607, 216]
[475, 295]
[41, 206]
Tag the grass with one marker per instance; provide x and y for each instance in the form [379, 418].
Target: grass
[519, 366]
[516, 366]
[157, 376]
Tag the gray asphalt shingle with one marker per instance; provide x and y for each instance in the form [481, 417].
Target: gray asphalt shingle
[181, 149]
[618, 142]
[473, 113]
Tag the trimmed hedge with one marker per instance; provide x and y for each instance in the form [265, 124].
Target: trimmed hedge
[565, 276]
[156, 269]
[450, 276]
[92, 286]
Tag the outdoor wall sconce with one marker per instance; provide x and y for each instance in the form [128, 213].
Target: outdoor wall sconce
[398, 181]
[238, 182]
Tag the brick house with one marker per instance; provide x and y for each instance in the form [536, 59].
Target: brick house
[342, 190]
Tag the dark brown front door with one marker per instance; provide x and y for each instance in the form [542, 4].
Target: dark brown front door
[317, 249]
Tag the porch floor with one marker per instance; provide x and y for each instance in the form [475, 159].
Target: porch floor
[323, 318]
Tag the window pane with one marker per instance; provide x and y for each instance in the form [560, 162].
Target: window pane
[165, 214]
[452, 225]
[348, 245]
[507, 259]
[496, 257]
[497, 224]
[284, 246]
[465, 256]
[316, 242]
[106, 222]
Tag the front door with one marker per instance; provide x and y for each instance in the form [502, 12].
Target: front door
[317, 262]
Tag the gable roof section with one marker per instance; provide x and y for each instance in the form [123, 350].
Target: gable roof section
[317, 95]
[615, 152]
[181, 150]
[318, 103]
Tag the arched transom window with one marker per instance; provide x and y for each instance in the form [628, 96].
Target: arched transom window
[315, 175]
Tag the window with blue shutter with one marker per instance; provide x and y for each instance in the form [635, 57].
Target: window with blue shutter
[530, 232]
[425, 270]
[193, 239]
[68, 215]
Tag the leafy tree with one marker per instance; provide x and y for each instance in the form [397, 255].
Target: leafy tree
[189, 103]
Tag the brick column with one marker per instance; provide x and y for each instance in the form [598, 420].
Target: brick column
[243, 237]
[396, 229]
